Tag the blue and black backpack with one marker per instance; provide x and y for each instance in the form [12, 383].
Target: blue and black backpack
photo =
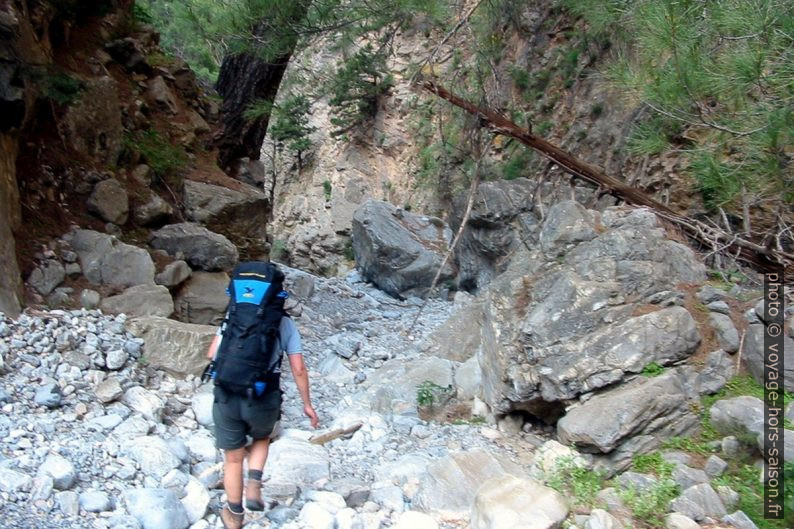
[246, 362]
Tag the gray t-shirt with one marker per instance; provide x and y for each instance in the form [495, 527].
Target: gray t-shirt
[289, 340]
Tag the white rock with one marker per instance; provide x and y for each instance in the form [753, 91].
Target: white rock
[152, 454]
[508, 502]
[600, 519]
[415, 520]
[196, 500]
[60, 470]
[145, 402]
[201, 404]
[314, 516]
[201, 446]
[676, 520]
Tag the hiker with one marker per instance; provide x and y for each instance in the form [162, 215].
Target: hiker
[246, 356]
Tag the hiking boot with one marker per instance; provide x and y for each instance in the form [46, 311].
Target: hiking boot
[230, 519]
[253, 495]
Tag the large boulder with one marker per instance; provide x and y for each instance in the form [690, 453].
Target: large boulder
[241, 213]
[398, 251]
[500, 218]
[47, 276]
[109, 201]
[105, 260]
[92, 124]
[449, 485]
[159, 94]
[295, 462]
[177, 347]
[201, 248]
[140, 300]
[202, 298]
[742, 417]
[458, 338]
[395, 384]
[156, 508]
[572, 317]
[657, 407]
[153, 211]
[754, 355]
[509, 502]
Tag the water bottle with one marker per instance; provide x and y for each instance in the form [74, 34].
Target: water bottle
[259, 388]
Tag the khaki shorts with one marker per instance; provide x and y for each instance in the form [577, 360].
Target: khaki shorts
[237, 417]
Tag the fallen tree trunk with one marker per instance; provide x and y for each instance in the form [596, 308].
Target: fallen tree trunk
[762, 258]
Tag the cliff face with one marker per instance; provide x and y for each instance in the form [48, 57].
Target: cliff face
[102, 130]
[545, 73]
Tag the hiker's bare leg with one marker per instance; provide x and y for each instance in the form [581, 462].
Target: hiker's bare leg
[256, 461]
[233, 474]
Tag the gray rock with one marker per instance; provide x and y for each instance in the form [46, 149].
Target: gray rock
[177, 347]
[145, 402]
[140, 300]
[201, 404]
[567, 224]
[715, 466]
[731, 447]
[109, 201]
[60, 469]
[705, 497]
[458, 338]
[202, 298]
[719, 306]
[41, 488]
[687, 477]
[449, 485]
[739, 520]
[715, 374]
[398, 251]
[314, 516]
[154, 211]
[202, 447]
[739, 416]
[709, 294]
[95, 501]
[173, 274]
[754, 356]
[303, 286]
[647, 405]
[201, 248]
[105, 260]
[396, 382]
[281, 514]
[727, 335]
[511, 498]
[108, 390]
[688, 508]
[48, 395]
[152, 454]
[14, 481]
[123, 521]
[156, 508]
[89, 299]
[295, 461]
[730, 498]
[68, 502]
[142, 174]
[47, 276]
[468, 379]
[600, 519]
[196, 500]
[414, 520]
[242, 211]
[500, 210]
[116, 359]
[676, 520]
[332, 368]
[104, 422]
[637, 481]
[159, 94]
[72, 270]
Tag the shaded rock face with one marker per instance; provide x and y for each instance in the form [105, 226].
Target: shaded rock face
[177, 347]
[105, 260]
[558, 323]
[201, 248]
[93, 123]
[203, 299]
[499, 219]
[140, 300]
[602, 423]
[240, 214]
[398, 251]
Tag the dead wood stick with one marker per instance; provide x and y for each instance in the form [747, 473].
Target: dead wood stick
[335, 434]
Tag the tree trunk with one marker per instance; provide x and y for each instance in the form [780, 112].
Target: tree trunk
[243, 79]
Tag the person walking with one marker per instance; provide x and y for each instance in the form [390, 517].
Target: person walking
[251, 407]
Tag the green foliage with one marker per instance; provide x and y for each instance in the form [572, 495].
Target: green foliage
[741, 385]
[521, 77]
[164, 158]
[517, 165]
[579, 484]
[348, 252]
[652, 463]
[652, 370]
[687, 444]
[60, 87]
[650, 505]
[327, 189]
[743, 478]
[428, 392]
[720, 72]
[356, 87]
[289, 126]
